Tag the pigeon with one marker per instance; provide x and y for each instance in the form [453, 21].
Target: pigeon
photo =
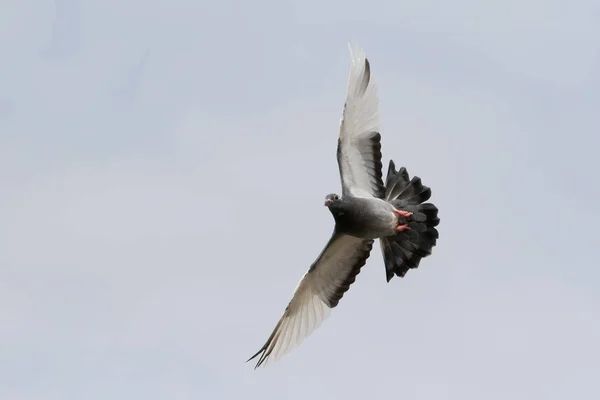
[394, 213]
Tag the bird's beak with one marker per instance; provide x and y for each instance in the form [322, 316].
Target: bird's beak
[327, 203]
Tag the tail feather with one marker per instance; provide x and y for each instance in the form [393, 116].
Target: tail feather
[405, 250]
[402, 190]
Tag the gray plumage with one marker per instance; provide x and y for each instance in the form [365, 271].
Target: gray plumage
[364, 218]
[394, 213]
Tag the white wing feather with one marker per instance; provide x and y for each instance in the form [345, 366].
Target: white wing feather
[316, 294]
[359, 155]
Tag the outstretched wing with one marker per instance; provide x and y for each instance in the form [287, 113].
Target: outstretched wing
[359, 143]
[320, 290]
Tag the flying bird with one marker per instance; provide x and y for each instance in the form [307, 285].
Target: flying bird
[394, 213]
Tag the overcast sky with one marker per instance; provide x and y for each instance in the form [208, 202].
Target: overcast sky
[163, 166]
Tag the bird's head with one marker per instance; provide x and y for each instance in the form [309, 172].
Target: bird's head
[332, 199]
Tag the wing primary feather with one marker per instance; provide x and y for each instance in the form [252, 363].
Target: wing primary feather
[265, 347]
[319, 290]
[366, 77]
[359, 142]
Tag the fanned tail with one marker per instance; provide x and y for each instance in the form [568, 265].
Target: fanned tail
[405, 250]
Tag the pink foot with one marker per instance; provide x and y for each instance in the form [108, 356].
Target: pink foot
[402, 228]
[403, 213]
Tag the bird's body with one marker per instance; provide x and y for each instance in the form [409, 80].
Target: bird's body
[394, 212]
[364, 217]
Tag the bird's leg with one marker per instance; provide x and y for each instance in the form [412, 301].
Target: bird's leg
[402, 228]
[403, 213]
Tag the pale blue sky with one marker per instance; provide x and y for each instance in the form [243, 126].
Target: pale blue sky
[163, 169]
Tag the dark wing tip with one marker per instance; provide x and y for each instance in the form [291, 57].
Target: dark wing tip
[263, 355]
[264, 351]
[366, 77]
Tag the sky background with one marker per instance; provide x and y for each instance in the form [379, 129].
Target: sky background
[163, 167]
